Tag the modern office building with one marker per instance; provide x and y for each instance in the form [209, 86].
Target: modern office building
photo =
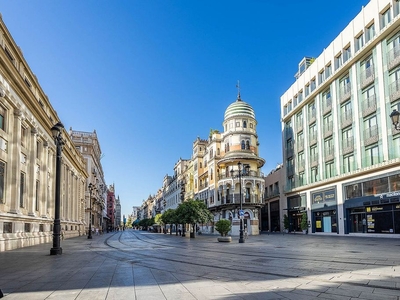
[28, 159]
[341, 151]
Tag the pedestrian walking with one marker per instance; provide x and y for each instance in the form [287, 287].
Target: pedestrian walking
[97, 231]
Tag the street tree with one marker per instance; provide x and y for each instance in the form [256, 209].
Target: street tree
[193, 212]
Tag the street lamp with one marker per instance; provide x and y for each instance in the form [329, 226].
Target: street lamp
[56, 131]
[395, 119]
[240, 174]
[91, 188]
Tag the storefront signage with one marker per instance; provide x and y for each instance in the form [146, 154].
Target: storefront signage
[329, 195]
[392, 194]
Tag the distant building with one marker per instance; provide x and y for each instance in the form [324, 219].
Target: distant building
[341, 151]
[118, 219]
[88, 144]
[275, 202]
[111, 208]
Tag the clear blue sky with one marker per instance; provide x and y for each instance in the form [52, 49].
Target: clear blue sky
[152, 75]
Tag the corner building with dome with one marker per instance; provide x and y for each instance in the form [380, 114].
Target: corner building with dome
[234, 155]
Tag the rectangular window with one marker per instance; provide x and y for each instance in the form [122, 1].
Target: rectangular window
[37, 195]
[7, 227]
[2, 118]
[346, 54]
[41, 228]
[385, 18]
[326, 99]
[314, 174]
[301, 179]
[359, 42]
[23, 136]
[329, 169]
[21, 190]
[328, 148]
[396, 8]
[338, 61]
[300, 96]
[2, 180]
[27, 82]
[328, 70]
[321, 76]
[313, 84]
[348, 163]
[369, 32]
[27, 227]
[372, 155]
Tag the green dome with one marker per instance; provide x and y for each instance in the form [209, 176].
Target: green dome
[239, 108]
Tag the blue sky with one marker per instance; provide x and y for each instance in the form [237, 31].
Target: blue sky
[152, 75]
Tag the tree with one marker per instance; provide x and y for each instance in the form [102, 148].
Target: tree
[304, 221]
[168, 218]
[192, 212]
[223, 226]
[285, 222]
[158, 221]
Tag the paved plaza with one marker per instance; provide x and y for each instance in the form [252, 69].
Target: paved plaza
[140, 265]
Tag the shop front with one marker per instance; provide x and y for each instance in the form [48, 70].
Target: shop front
[324, 211]
[296, 207]
[373, 206]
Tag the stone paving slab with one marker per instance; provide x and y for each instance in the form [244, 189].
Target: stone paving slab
[139, 265]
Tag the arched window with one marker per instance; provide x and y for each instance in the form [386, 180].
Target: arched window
[247, 145]
[243, 145]
[201, 165]
[217, 151]
[244, 124]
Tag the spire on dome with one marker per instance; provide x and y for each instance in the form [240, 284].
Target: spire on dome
[238, 87]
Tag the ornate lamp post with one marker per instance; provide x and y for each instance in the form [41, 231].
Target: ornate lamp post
[395, 119]
[56, 131]
[91, 188]
[240, 175]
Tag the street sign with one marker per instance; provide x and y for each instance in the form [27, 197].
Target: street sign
[241, 213]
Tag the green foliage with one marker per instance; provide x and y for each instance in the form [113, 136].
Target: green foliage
[168, 217]
[223, 226]
[146, 222]
[158, 219]
[192, 212]
[304, 221]
[285, 221]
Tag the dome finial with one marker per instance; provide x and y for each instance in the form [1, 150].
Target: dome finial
[238, 87]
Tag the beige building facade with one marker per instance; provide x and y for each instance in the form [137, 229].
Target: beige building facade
[28, 158]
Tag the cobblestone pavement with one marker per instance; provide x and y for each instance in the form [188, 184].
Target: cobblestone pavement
[140, 265]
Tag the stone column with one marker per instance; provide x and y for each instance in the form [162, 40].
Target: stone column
[14, 171]
[44, 180]
[32, 176]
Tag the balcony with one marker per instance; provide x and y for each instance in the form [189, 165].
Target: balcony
[299, 126]
[301, 165]
[329, 153]
[367, 77]
[344, 93]
[314, 160]
[328, 129]
[313, 138]
[394, 90]
[371, 135]
[346, 119]
[327, 106]
[312, 117]
[348, 145]
[272, 194]
[368, 106]
[300, 145]
[393, 57]
[289, 151]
